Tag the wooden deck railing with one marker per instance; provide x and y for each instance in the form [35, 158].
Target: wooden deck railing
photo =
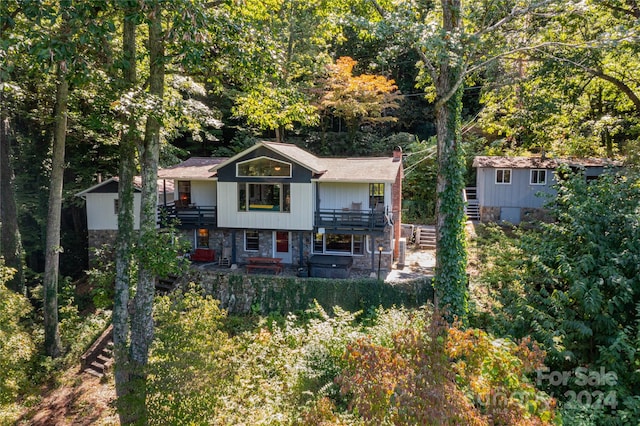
[365, 220]
[189, 217]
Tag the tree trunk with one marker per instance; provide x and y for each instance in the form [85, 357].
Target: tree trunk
[451, 256]
[52, 248]
[10, 240]
[142, 320]
[126, 235]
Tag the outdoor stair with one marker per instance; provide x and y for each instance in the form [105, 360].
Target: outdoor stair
[166, 285]
[426, 237]
[99, 357]
[471, 205]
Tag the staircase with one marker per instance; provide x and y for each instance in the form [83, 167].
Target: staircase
[471, 206]
[99, 357]
[426, 237]
[166, 285]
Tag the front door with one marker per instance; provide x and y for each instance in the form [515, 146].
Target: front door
[282, 245]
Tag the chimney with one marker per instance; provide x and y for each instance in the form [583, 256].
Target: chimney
[397, 154]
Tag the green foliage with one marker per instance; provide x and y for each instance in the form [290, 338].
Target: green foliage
[573, 286]
[16, 343]
[160, 251]
[419, 186]
[451, 265]
[267, 107]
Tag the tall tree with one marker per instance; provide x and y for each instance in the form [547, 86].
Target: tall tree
[454, 41]
[10, 237]
[52, 246]
[577, 92]
[126, 236]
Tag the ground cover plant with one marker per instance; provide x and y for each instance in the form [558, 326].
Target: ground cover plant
[390, 366]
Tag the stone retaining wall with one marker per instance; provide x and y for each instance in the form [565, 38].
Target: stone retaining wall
[242, 294]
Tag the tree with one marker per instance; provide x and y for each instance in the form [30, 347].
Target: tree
[126, 236]
[453, 42]
[358, 99]
[576, 93]
[286, 47]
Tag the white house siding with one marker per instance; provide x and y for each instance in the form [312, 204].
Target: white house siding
[299, 218]
[519, 193]
[203, 193]
[101, 214]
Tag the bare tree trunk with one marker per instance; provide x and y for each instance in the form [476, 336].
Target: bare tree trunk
[142, 329]
[126, 235]
[52, 248]
[10, 239]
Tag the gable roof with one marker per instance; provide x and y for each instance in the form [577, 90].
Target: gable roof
[192, 168]
[111, 186]
[539, 162]
[290, 151]
[358, 169]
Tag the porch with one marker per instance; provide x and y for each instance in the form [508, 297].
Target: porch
[190, 217]
[354, 221]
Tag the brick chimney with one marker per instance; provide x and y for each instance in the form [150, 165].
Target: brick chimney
[396, 202]
[397, 154]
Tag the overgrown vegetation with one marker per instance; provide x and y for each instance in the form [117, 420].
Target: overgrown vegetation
[574, 286]
[393, 366]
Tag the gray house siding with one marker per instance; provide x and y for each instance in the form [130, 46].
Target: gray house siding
[519, 193]
[507, 200]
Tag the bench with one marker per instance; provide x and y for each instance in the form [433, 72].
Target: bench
[270, 263]
[203, 255]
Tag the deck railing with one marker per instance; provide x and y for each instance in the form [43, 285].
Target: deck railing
[366, 220]
[194, 217]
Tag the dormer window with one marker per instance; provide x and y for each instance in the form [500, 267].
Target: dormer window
[263, 167]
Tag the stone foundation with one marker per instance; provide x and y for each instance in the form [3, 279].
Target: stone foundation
[489, 214]
[242, 294]
[100, 238]
[535, 215]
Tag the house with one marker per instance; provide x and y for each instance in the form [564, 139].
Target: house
[510, 189]
[102, 208]
[277, 200]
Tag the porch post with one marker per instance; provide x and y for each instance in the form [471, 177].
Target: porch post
[233, 247]
[373, 252]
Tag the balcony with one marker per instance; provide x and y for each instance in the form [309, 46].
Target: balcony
[351, 221]
[194, 217]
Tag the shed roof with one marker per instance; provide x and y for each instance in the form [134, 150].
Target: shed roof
[539, 162]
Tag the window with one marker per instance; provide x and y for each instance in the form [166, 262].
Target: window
[538, 177]
[318, 243]
[184, 193]
[263, 167]
[338, 243]
[116, 206]
[376, 194]
[271, 197]
[203, 238]
[251, 241]
[503, 176]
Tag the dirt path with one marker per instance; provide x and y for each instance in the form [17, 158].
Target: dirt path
[81, 400]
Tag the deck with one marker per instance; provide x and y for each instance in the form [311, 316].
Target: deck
[354, 221]
[194, 217]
